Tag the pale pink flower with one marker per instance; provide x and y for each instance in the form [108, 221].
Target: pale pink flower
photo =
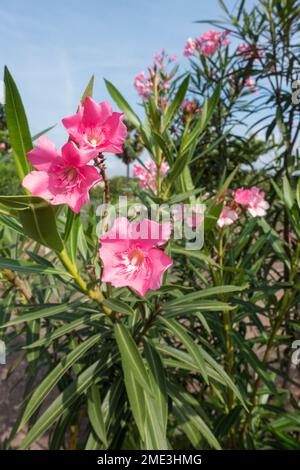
[250, 84]
[147, 176]
[190, 48]
[61, 179]
[227, 217]
[243, 196]
[132, 256]
[96, 126]
[190, 106]
[246, 51]
[253, 199]
[2, 145]
[212, 40]
[173, 58]
[158, 57]
[143, 84]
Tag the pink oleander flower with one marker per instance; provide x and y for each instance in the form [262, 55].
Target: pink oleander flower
[143, 84]
[243, 196]
[212, 40]
[61, 179]
[132, 256]
[96, 126]
[147, 176]
[250, 84]
[173, 58]
[246, 51]
[190, 107]
[227, 217]
[190, 48]
[253, 199]
[158, 57]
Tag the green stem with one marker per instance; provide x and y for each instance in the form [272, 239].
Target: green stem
[72, 269]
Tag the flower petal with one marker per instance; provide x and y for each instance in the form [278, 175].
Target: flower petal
[72, 124]
[37, 182]
[95, 114]
[160, 263]
[150, 233]
[75, 156]
[44, 154]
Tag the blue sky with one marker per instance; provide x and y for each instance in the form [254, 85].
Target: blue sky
[53, 47]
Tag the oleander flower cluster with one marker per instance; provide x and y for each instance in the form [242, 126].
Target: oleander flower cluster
[207, 44]
[244, 200]
[66, 177]
[147, 175]
[158, 79]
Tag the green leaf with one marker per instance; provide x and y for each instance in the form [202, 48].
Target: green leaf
[43, 312]
[288, 194]
[27, 267]
[95, 414]
[179, 97]
[203, 120]
[74, 235]
[195, 351]
[17, 124]
[43, 132]
[158, 384]
[64, 330]
[65, 400]
[123, 105]
[298, 192]
[130, 355]
[51, 379]
[37, 218]
[202, 293]
[193, 254]
[136, 397]
[118, 306]
[89, 89]
[192, 416]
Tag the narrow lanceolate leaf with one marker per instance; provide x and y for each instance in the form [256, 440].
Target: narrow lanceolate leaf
[122, 103]
[192, 416]
[95, 413]
[17, 124]
[89, 89]
[64, 330]
[65, 400]
[203, 293]
[195, 351]
[155, 438]
[118, 306]
[179, 97]
[158, 384]
[53, 378]
[27, 267]
[43, 312]
[136, 397]
[131, 358]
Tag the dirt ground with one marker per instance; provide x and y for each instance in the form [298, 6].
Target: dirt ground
[11, 393]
